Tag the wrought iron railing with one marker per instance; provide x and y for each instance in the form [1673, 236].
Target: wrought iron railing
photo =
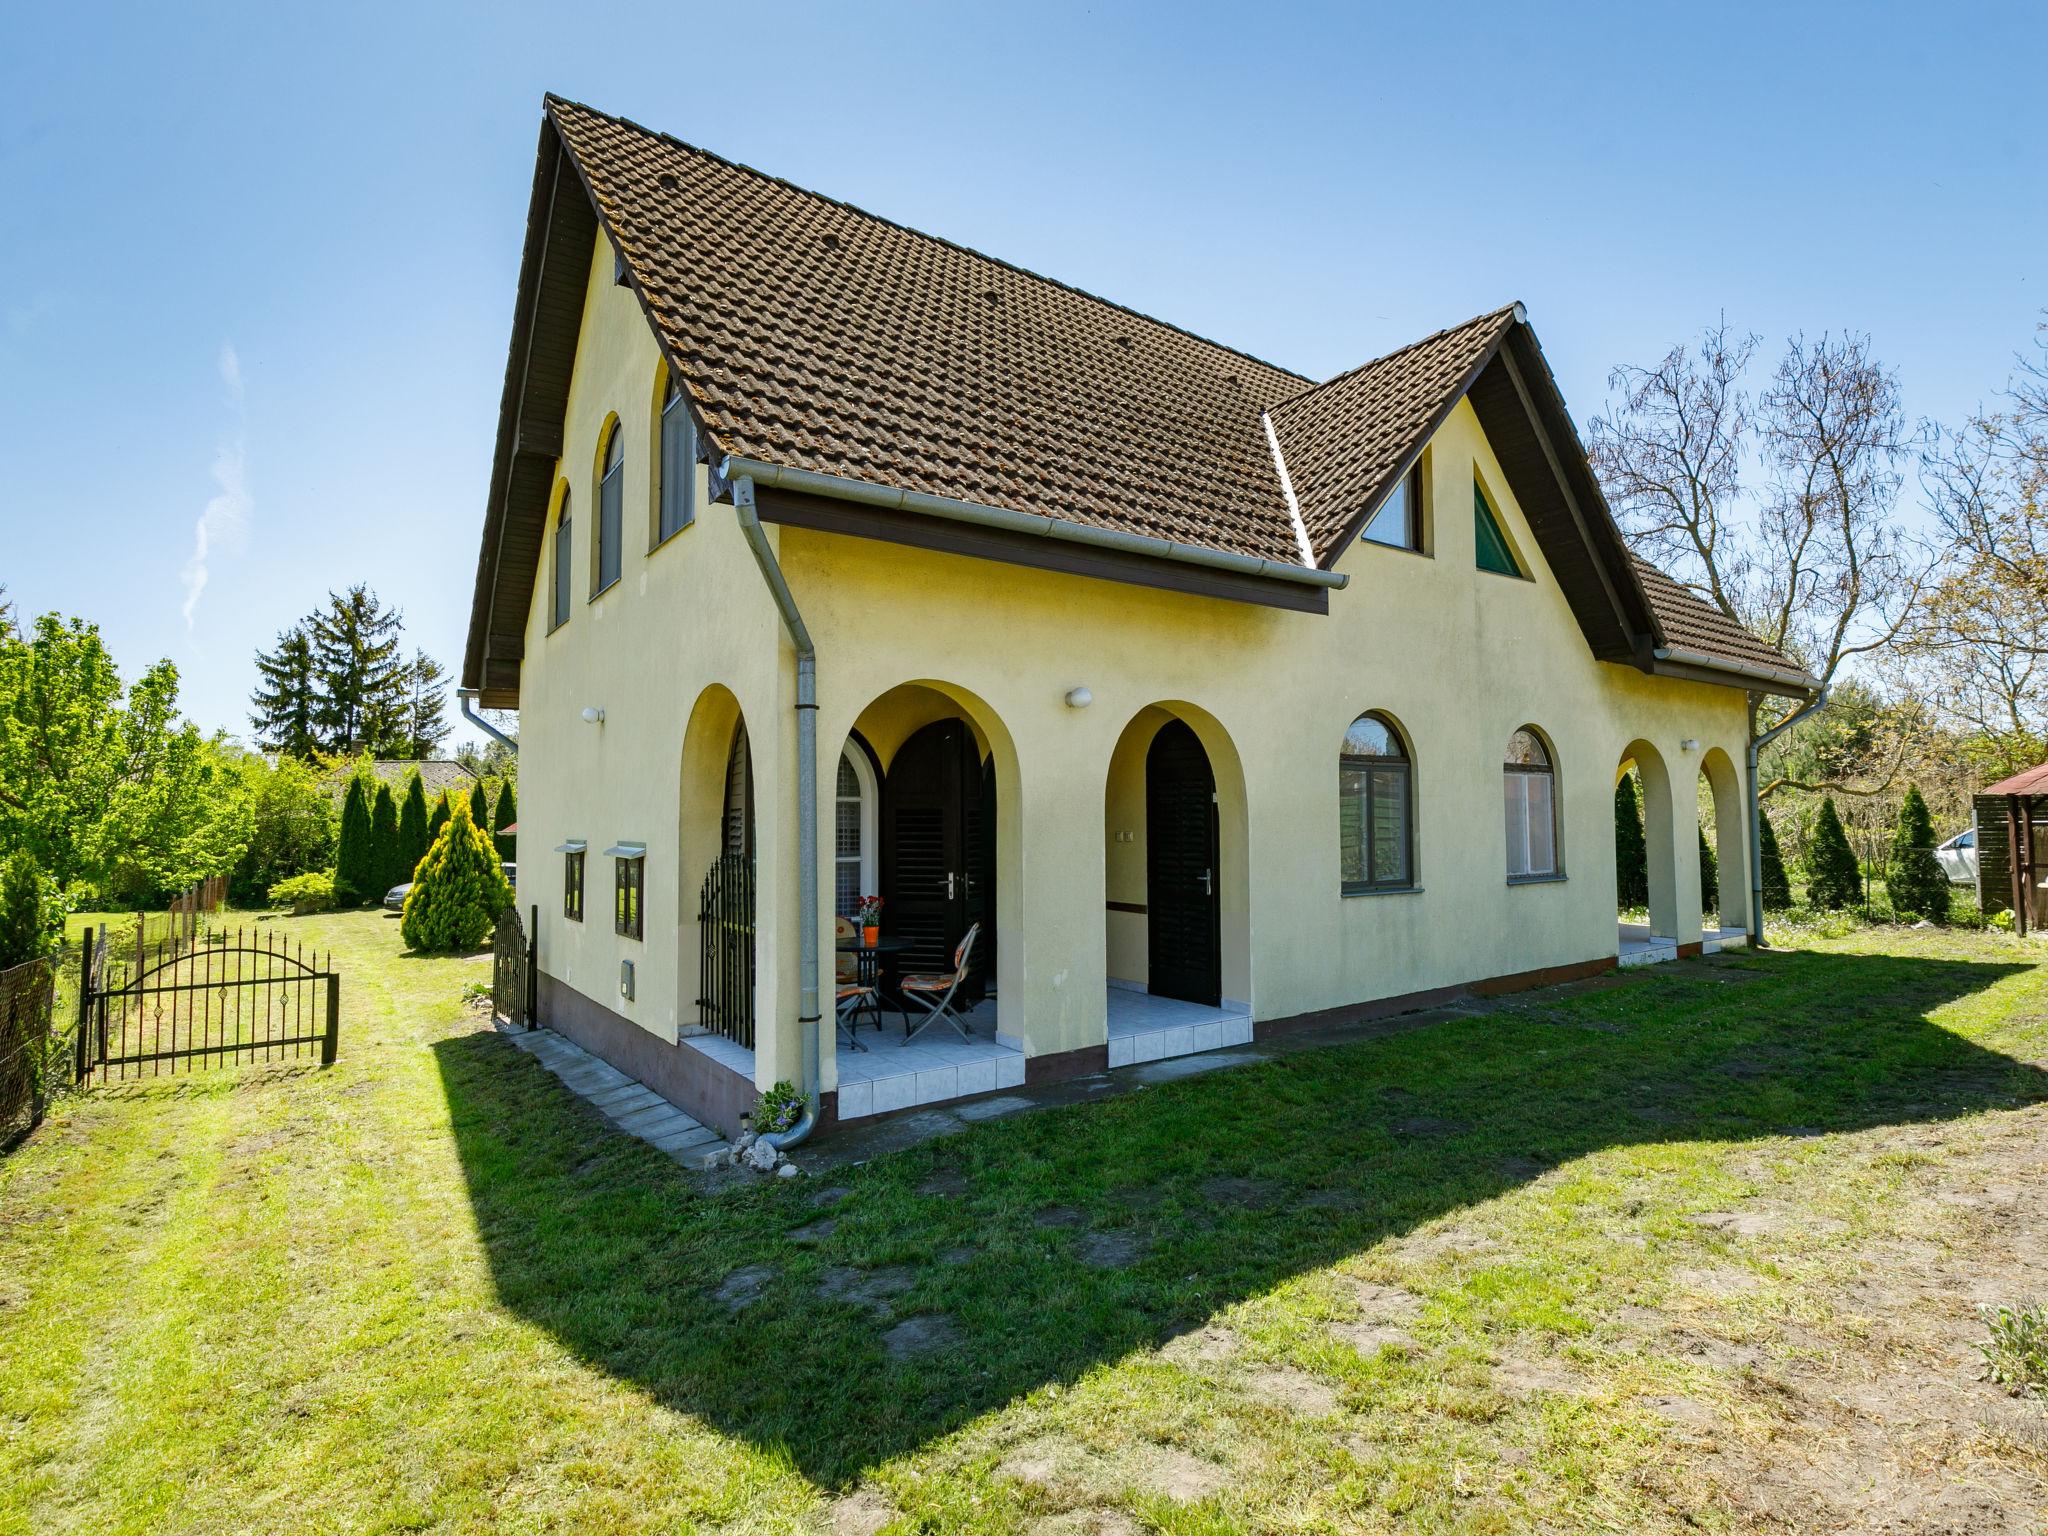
[725, 943]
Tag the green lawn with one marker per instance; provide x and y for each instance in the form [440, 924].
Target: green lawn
[1695, 1247]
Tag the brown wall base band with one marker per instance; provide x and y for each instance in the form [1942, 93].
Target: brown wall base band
[1689, 951]
[1126, 906]
[1434, 997]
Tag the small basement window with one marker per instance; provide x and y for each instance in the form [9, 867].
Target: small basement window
[629, 884]
[572, 878]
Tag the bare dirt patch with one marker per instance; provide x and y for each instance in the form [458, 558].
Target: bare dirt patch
[1172, 1473]
[1210, 1344]
[1110, 1250]
[860, 1514]
[1295, 1391]
[925, 1335]
[743, 1286]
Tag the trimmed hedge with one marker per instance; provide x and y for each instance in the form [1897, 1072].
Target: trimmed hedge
[458, 890]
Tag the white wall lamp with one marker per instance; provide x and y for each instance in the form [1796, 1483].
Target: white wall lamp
[1690, 744]
[593, 716]
[1079, 698]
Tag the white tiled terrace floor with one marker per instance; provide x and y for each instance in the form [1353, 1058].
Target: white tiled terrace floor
[1638, 946]
[937, 1065]
[1147, 1028]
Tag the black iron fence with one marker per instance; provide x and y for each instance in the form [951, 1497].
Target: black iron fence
[28, 1046]
[725, 940]
[223, 1000]
[512, 969]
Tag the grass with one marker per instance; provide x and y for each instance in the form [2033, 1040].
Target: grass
[1426, 1282]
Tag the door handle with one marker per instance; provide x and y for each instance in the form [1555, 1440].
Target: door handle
[1208, 885]
[949, 884]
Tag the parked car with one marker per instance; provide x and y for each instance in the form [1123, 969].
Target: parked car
[394, 899]
[1958, 858]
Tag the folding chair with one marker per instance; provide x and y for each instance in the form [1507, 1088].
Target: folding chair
[935, 992]
[850, 994]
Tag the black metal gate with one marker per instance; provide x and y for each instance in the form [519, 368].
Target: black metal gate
[229, 999]
[725, 940]
[512, 968]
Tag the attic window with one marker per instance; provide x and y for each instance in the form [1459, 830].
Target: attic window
[1491, 546]
[666, 182]
[1124, 342]
[992, 299]
[1398, 522]
[618, 269]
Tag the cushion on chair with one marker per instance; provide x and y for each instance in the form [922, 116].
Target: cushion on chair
[926, 983]
[843, 993]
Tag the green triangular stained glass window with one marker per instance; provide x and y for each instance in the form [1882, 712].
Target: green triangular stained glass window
[1490, 542]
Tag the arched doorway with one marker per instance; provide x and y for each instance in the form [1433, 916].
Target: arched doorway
[716, 973]
[1177, 925]
[1722, 810]
[1654, 937]
[938, 850]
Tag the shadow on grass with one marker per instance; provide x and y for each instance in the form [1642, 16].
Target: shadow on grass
[1050, 1242]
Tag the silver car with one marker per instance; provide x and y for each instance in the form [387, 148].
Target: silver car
[1958, 858]
[394, 899]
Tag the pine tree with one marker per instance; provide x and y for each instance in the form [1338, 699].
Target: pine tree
[1631, 855]
[459, 890]
[354, 872]
[426, 706]
[384, 851]
[1832, 877]
[439, 817]
[479, 806]
[1777, 886]
[24, 922]
[1914, 877]
[285, 704]
[1710, 881]
[505, 814]
[355, 642]
[413, 841]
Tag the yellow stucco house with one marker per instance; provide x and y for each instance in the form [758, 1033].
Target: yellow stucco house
[826, 559]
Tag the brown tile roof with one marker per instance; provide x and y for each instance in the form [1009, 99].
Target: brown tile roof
[815, 336]
[2030, 781]
[1694, 624]
[1345, 440]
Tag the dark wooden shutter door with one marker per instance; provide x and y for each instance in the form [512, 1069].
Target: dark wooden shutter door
[923, 844]
[1182, 898]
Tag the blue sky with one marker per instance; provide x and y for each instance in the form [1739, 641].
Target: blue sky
[257, 262]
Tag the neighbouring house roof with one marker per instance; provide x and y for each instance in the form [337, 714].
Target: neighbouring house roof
[436, 774]
[2033, 781]
[813, 336]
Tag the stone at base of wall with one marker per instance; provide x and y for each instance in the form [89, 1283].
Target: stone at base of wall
[719, 1096]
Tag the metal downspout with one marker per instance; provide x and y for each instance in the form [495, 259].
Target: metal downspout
[1756, 809]
[806, 806]
[468, 698]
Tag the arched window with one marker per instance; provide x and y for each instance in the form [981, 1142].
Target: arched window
[564, 555]
[853, 847]
[1528, 781]
[737, 817]
[1375, 819]
[678, 464]
[611, 490]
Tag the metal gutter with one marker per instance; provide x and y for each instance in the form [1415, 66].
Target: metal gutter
[843, 488]
[1756, 810]
[1778, 677]
[806, 806]
[468, 697]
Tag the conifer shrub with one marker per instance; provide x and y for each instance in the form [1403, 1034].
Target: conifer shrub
[1832, 877]
[355, 870]
[1777, 884]
[479, 804]
[437, 818]
[384, 851]
[1914, 877]
[458, 890]
[413, 841]
[1710, 881]
[505, 814]
[1631, 855]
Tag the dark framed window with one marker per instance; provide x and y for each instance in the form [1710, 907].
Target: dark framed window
[1398, 522]
[611, 493]
[678, 465]
[1375, 810]
[629, 880]
[1490, 542]
[1529, 788]
[572, 884]
[564, 555]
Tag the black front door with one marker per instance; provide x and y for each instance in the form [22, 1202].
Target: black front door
[1182, 905]
[934, 879]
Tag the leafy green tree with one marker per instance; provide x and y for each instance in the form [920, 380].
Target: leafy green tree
[384, 849]
[355, 869]
[1631, 856]
[1832, 877]
[505, 814]
[25, 921]
[458, 892]
[1914, 877]
[439, 817]
[60, 745]
[1777, 885]
[293, 825]
[1710, 881]
[479, 805]
[413, 841]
